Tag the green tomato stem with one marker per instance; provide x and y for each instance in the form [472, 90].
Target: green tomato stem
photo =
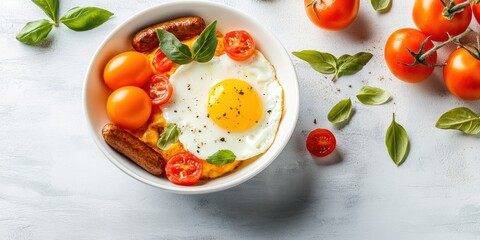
[442, 44]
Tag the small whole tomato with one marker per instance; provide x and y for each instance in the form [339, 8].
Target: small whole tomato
[321, 142]
[427, 16]
[332, 15]
[129, 107]
[184, 169]
[476, 11]
[397, 55]
[127, 69]
[239, 45]
[462, 75]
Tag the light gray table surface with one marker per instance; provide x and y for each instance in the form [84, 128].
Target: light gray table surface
[56, 184]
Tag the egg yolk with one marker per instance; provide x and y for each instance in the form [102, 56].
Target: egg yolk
[234, 105]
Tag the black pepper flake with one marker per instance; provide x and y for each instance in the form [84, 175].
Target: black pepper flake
[269, 111]
[224, 114]
[222, 139]
[228, 132]
[198, 151]
[208, 115]
[314, 121]
[241, 92]
[197, 116]
[174, 111]
[205, 126]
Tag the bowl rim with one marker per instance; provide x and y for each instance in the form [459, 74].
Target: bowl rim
[293, 112]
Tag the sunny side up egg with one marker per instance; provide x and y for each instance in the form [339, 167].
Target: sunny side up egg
[225, 104]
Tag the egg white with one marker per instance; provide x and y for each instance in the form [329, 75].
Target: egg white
[188, 106]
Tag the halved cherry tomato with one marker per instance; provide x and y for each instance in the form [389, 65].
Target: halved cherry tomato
[332, 14]
[476, 11]
[427, 15]
[462, 75]
[239, 45]
[159, 89]
[321, 142]
[397, 55]
[184, 169]
[161, 62]
[129, 107]
[127, 69]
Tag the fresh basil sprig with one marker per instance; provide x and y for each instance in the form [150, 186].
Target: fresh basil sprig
[169, 136]
[77, 19]
[203, 48]
[222, 157]
[381, 6]
[397, 142]
[341, 111]
[462, 119]
[326, 63]
[373, 96]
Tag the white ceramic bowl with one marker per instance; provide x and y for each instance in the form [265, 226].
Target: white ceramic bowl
[95, 93]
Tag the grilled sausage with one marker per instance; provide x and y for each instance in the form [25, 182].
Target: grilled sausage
[134, 149]
[183, 28]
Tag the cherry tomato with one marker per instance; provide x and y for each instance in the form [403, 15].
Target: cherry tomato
[129, 107]
[127, 69]
[321, 142]
[476, 11]
[159, 89]
[462, 75]
[239, 45]
[427, 15]
[161, 63]
[332, 14]
[184, 169]
[397, 55]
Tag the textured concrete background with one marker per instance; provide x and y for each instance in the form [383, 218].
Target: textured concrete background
[55, 183]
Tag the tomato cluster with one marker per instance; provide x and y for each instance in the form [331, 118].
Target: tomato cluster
[411, 55]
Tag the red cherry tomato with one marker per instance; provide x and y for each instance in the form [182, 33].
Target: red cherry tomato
[397, 55]
[321, 142]
[239, 45]
[161, 63]
[476, 11]
[427, 15]
[462, 75]
[127, 69]
[129, 107]
[332, 15]
[184, 169]
[159, 89]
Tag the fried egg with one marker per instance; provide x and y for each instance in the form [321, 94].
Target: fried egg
[225, 104]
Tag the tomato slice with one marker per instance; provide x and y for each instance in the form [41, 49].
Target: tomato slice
[321, 142]
[161, 62]
[184, 169]
[159, 89]
[239, 45]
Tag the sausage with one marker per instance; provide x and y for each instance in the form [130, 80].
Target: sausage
[183, 28]
[134, 149]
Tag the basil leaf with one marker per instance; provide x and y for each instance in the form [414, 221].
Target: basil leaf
[221, 157]
[373, 96]
[397, 143]
[173, 48]
[462, 119]
[381, 5]
[34, 32]
[83, 19]
[50, 7]
[322, 62]
[169, 136]
[341, 111]
[350, 65]
[206, 44]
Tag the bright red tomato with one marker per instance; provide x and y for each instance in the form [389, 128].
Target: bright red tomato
[321, 142]
[127, 69]
[476, 11]
[129, 107]
[427, 15]
[159, 89]
[332, 14]
[397, 55]
[462, 75]
[161, 63]
[239, 45]
[184, 169]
